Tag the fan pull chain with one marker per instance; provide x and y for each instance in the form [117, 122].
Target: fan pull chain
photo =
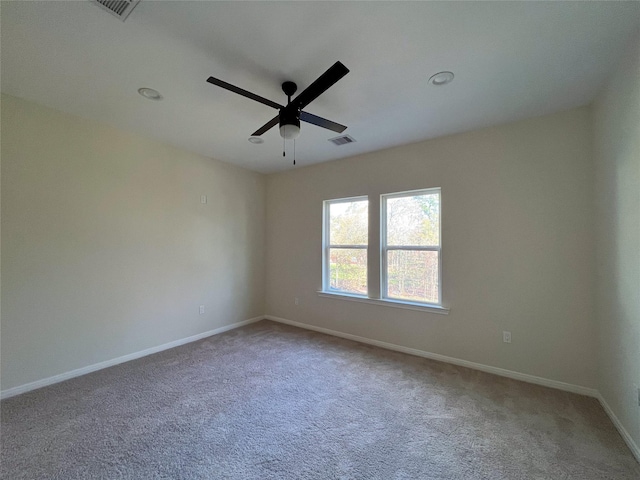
[283, 146]
[294, 151]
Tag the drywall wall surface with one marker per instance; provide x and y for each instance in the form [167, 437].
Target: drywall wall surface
[517, 245]
[106, 247]
[616, 115]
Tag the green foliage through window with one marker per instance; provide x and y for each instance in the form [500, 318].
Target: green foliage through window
[414, 220]
[348, 224]
[411, 249]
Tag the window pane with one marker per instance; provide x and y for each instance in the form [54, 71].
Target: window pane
[349, 223]
[412, 275]
[414, 220]
[348, 270]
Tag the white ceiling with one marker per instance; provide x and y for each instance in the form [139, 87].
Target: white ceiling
[512, 60]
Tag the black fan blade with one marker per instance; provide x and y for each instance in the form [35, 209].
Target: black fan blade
[266, 126]
[322, 122]
[244, 93]
[321, 84]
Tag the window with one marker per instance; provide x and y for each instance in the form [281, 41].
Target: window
[346, 231]
[410, 246]
[406, 265]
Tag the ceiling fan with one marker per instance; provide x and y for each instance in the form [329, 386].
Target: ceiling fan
[289, 116]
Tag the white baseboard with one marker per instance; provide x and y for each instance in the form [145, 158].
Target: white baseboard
[623, 432]
[567, 387]
[11, 392]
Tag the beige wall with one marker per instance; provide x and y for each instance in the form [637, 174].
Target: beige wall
[617, 154]
[106, 248]
[517, 245]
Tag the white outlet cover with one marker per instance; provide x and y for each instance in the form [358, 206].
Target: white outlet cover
[203, 199]
[201, 309]
[506, 337]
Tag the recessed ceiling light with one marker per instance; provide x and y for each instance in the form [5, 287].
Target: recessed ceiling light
[150, 93]
[256, 140]
[441, 78]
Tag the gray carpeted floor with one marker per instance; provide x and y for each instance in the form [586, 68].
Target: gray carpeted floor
[269, 401]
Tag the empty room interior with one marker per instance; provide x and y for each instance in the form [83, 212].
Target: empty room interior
[320, 240]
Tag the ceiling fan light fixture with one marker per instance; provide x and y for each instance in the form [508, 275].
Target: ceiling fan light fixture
[441, 78]
[289, 131]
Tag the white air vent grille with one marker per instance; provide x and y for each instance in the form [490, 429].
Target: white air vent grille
[342, 140]
[119, 8]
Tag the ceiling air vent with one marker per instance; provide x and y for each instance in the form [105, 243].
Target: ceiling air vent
[342, 140]
[119, 8]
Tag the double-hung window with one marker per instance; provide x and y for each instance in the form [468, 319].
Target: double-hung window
[410, 247]
[346, 232]
[408, 262]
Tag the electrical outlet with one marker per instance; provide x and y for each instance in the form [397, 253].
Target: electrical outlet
[201, 309]
[506, 337]
[203, 199]
[297, 302]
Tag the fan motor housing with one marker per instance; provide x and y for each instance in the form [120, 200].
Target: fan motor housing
[289, 122]
[290, 115]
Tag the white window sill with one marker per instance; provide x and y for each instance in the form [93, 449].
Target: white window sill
[386, 302]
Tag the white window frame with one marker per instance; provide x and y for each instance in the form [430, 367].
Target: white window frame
[326, 246]
[384, 248]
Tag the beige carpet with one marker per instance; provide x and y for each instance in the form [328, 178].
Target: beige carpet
[274, 402]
